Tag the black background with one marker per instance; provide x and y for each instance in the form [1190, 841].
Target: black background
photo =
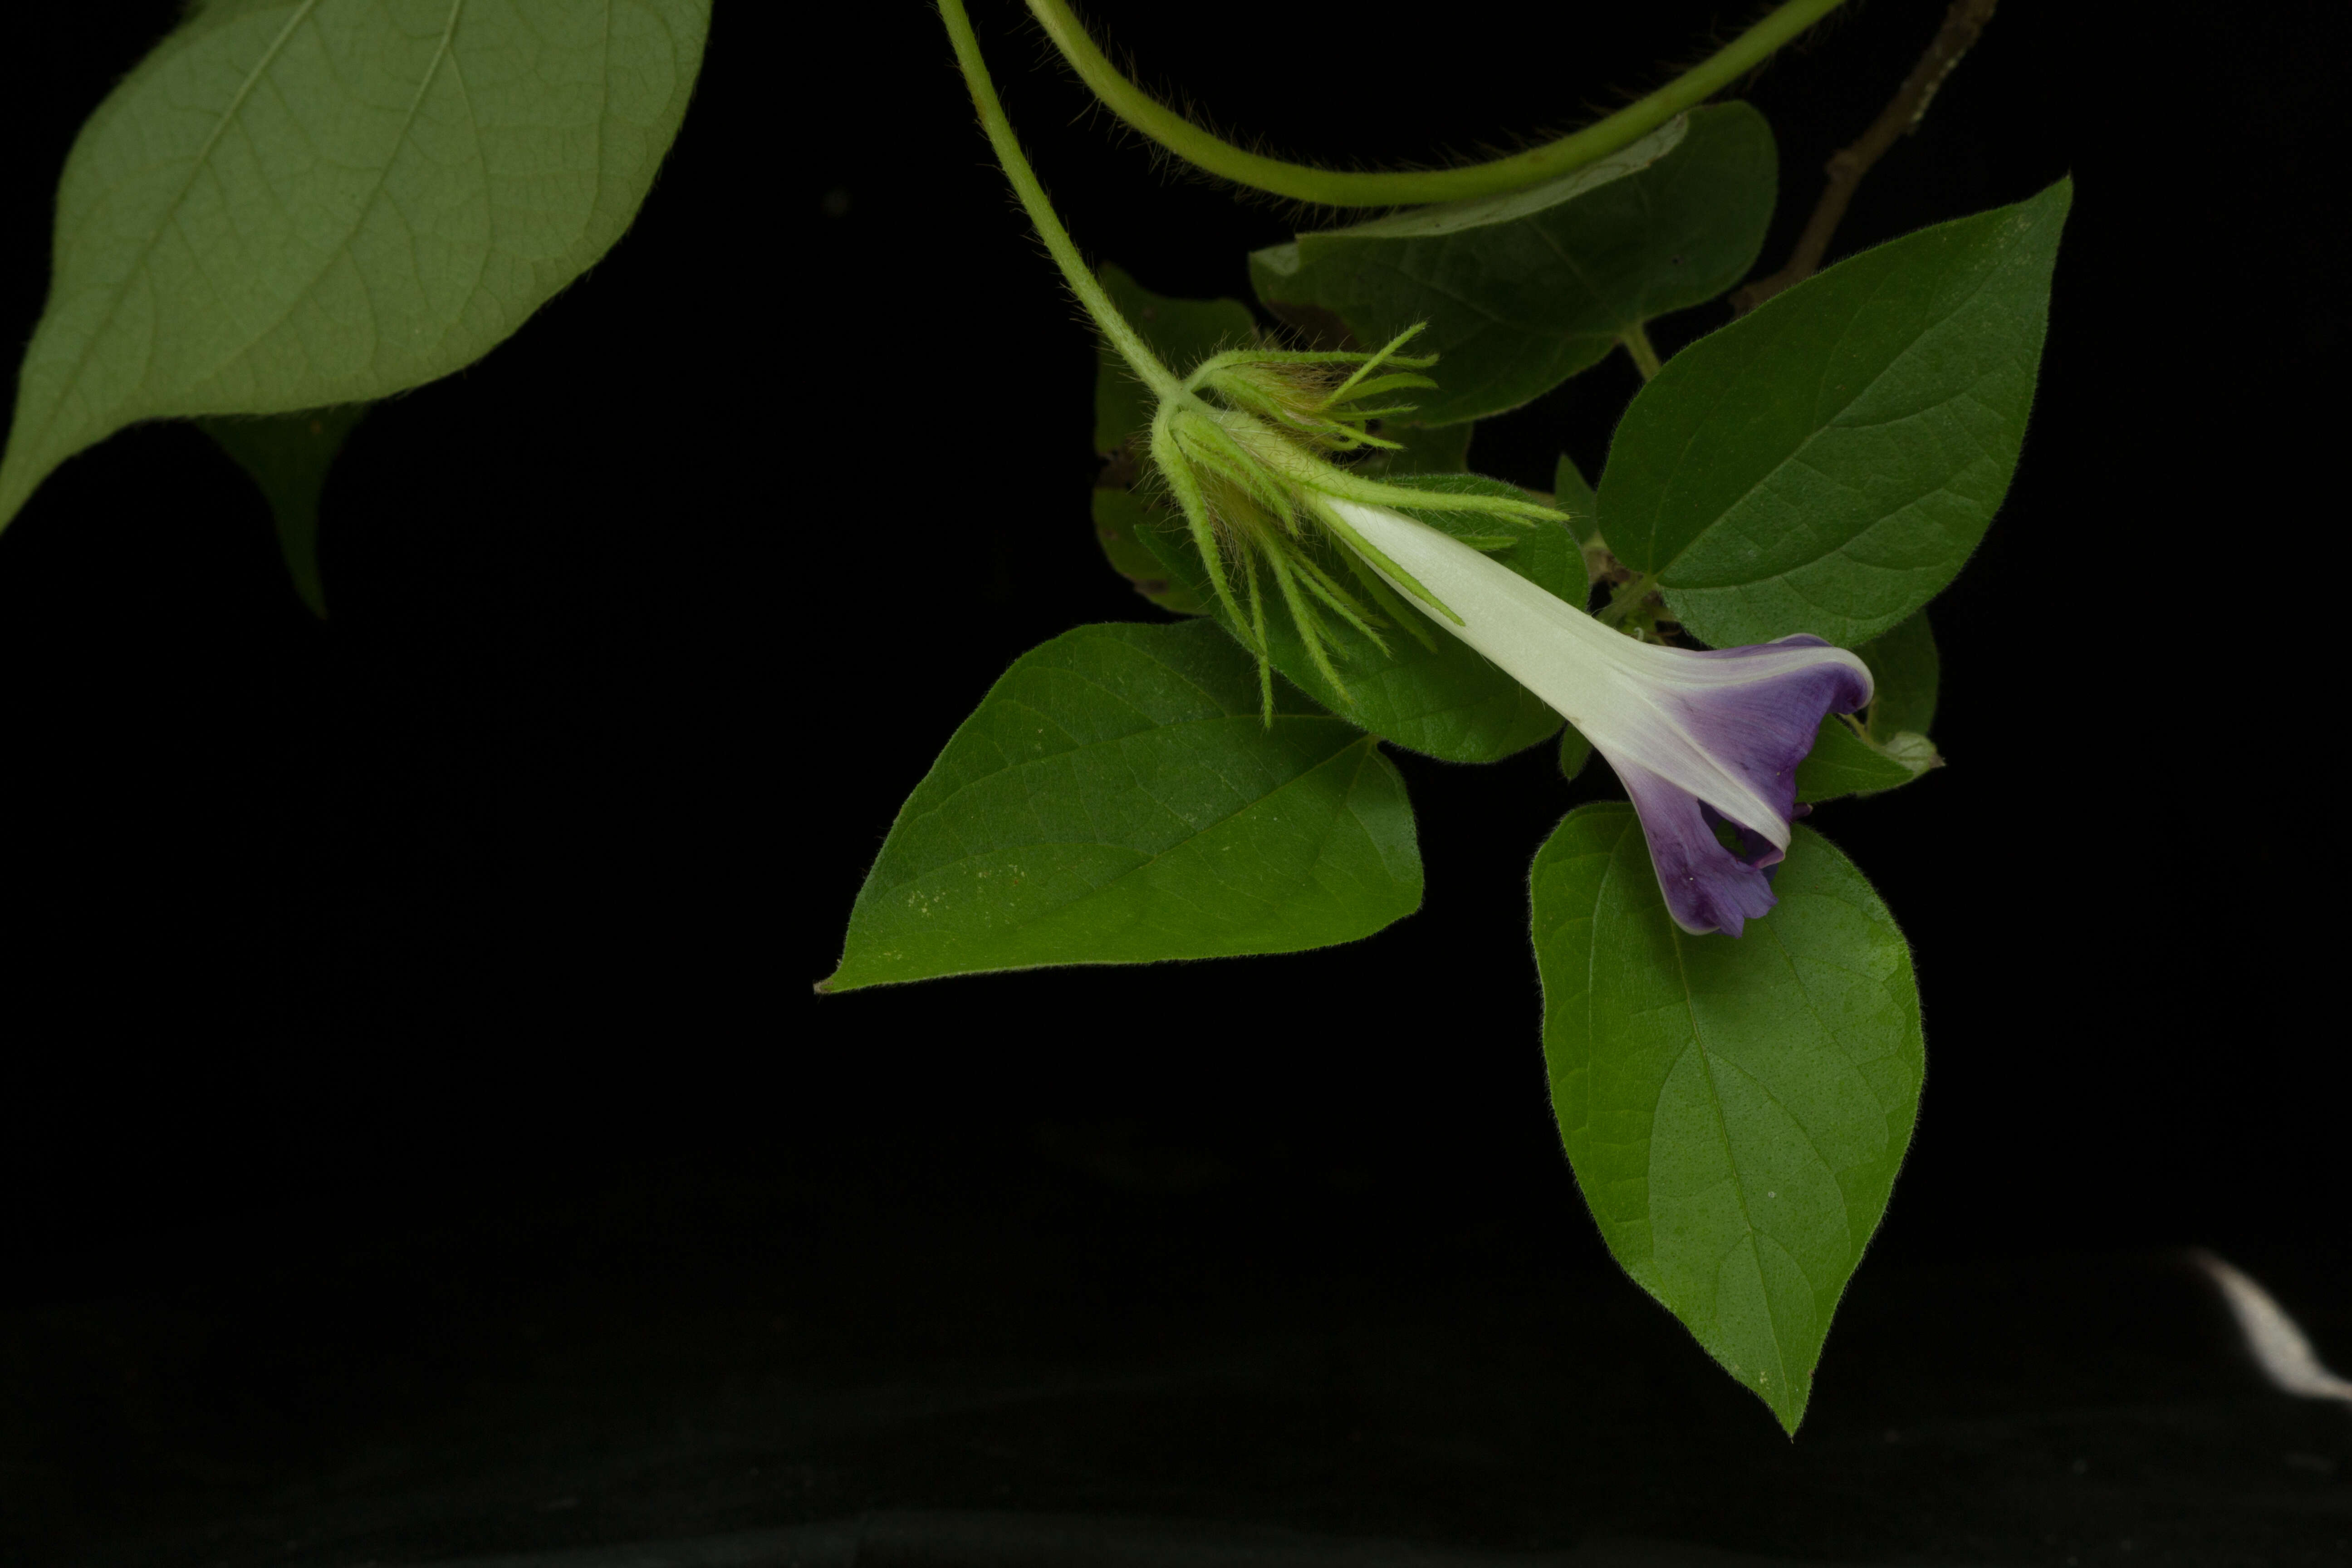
[461, 947]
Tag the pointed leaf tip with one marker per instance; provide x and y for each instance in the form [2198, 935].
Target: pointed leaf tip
[1828, 462]
[287, 206]
[1735, 1111]
[1118, 798]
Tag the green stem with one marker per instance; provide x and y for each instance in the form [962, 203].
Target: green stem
[1376, 188]
[1626, 598]
[1637, 343]
[1083, 283]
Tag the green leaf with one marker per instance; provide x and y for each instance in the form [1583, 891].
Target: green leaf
[292, 203]
[1843, 762]
[1572, 495]
[1121, 517]
[1117, 799]
[1424, 449]
[1906, 669]
[1827, 463]
[1575, 750]
[288, 455]
[1890, 746]
[1735, 1109]
[1182, 332]
[1520, 293]
[1429, 692]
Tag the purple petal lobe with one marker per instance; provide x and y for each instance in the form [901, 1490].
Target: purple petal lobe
[1748, 716]
[1686, 731]
[1707, 886]
[1756, 714]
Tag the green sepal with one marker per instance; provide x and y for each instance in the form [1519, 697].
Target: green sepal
[1426, 691]
[1182, 332]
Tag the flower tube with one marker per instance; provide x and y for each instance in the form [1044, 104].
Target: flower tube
[1695, 737]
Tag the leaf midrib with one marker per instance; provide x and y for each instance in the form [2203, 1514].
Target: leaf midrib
[442, 52]
[1675, 935]
[1364, 746]
[197, 164]
[1108, 844]
[1983, 281]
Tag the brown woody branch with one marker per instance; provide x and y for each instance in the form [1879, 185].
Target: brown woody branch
[1846, 166]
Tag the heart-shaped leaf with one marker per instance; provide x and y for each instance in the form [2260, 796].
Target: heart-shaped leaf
[1735, 1107]
[1117, 798]
[293, 204]
[1827, 463]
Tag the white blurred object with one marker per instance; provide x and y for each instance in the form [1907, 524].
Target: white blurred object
[2278, 1345]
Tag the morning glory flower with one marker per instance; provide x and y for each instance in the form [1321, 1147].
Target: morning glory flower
[1695, 737]
[1700, 740]
[1243, 444]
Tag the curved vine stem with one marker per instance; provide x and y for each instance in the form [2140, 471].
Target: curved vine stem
[1962, 23]
[1417, 187]
[1123, 337]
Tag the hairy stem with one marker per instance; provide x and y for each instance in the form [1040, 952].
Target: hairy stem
[1637, 344]
[1626, 598]
[1847, 165]
[1132, 348]
[1357, 188]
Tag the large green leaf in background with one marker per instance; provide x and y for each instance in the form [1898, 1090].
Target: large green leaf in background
[1520, 293]
[1735, 1107]
[1827, 463]
[1117, 798]
[1420, 449]
[1428, 691]
[1122, 515]
[1573, 495]
[291, 204]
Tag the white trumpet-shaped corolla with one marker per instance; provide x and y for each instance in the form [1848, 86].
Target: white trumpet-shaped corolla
[1693, 736]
